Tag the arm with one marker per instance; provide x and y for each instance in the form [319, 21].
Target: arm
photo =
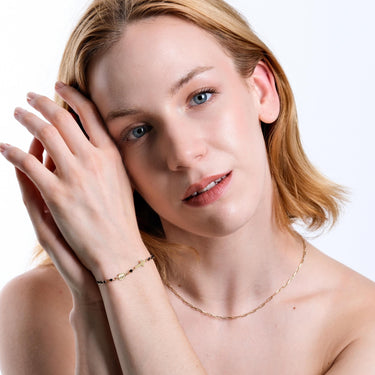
[147, 334]
[95, 350]
[36, 335]
[357, 358]
[90, 181]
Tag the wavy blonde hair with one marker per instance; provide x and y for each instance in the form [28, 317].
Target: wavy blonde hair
[301, 193]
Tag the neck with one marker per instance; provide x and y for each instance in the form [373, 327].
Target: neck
[234, 273]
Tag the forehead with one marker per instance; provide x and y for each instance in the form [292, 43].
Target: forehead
[155, 52]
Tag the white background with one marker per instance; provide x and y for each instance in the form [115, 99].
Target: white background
[327, 50]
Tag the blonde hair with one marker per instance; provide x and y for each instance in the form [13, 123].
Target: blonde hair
[301, 193]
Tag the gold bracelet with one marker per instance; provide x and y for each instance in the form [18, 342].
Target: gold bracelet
[121, 276]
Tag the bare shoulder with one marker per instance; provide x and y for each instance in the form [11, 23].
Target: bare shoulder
[34, 320]
[352, 292]
[350, 308]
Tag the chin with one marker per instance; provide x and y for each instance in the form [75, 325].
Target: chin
[228, 224]
[219, 224]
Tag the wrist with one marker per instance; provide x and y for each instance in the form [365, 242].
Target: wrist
[121, 276]
[125, 259]
[84, 310]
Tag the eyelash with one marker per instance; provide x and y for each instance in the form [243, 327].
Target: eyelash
[125, 136]
[205, 90]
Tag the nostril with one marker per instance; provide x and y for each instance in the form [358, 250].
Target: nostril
[184, 157]
[183, 146]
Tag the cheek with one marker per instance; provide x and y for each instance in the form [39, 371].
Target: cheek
[244, 136]
[146, 178]
[239, 129]
[138, 169]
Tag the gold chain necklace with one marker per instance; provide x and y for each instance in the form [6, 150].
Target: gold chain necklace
[250, 312]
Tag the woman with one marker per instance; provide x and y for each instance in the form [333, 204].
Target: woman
[201, 115]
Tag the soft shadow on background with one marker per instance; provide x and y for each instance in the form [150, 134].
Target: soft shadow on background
[328, 53]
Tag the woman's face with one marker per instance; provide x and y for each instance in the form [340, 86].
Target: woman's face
[187, 125]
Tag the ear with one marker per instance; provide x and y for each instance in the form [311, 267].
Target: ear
[263, 83]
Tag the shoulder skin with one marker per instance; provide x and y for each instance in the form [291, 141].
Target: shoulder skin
[36, 336]
[351, 317]
[358, 355]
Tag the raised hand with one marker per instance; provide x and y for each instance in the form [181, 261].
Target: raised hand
[88, 194]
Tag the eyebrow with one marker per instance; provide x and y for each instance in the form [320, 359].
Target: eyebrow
[174, 89]
[121, 113]
[188, 77]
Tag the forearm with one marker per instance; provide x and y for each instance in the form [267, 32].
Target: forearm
[88, 179]
[95, 350]
[146, 331]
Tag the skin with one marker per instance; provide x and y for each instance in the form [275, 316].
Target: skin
[323, 325]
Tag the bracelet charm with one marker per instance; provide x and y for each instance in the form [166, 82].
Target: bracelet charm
[121, 276]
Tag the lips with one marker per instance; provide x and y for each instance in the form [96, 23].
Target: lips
[204, 185]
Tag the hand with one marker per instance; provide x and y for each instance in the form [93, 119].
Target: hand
[78, 278]
[88, 194]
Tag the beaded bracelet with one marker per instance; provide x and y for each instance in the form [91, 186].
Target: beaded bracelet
[121, 276]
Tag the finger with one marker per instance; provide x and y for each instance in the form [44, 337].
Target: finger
[47, 134]
[30, 194]
[50, 165]
[37, 149]
[49, 235]
[89, 115]
[61, 119]
[31, 166]
[40, 216]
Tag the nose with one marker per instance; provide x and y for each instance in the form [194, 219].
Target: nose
[183, 145]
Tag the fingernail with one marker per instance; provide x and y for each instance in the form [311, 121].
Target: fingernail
[30, 96]
[4, 147]
[59, 85]
[18, 112]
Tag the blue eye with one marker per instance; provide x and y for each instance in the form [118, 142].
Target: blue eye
[138, 132]
[201, 98]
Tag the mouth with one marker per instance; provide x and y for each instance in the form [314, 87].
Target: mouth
[205, 185]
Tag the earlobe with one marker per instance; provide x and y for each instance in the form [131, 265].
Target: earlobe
[263, 83]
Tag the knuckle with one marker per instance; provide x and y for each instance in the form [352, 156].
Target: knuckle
[87, 106]
[61, 116]
[46, 132]
[28, 163]
[28, 118]
[12, 153]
